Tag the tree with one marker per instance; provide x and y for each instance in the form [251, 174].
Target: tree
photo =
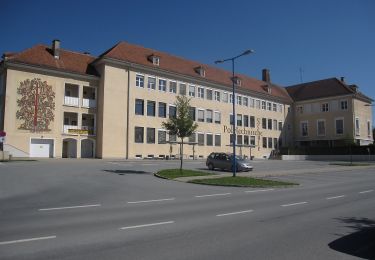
[183, 124]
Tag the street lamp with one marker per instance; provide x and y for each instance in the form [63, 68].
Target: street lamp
[234, 105]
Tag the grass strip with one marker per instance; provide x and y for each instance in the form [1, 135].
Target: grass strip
[176, 173]
[242, 182]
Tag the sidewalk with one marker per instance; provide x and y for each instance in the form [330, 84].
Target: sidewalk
[274, 173]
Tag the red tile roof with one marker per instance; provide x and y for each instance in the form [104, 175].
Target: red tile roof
[69, 61]
[136, 54]
[322, 88]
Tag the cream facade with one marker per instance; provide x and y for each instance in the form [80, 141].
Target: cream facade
[117, 110]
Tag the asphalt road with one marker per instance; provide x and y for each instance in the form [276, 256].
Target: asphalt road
[96, 209]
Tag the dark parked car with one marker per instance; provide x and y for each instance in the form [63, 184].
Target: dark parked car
[224, 161]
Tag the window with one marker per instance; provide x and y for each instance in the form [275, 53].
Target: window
[172, 87]
[200, 92]
[231, 138]
[139, 107]
[245, 101]
[239, 100]
[231, 119]
[239, 120]
[162, 137]
[369, 128]
[344, 105]
[275, 143]
[356, 126]
[200, 115]
[299, 109]
[274, 124]
[252, 140]
[209, 140]
[280, 108]
[280, 125]
[274, 107]
[217, 95]
[339, 125]
[225, 97]
[172, 111]
[325, 107]
[270, 124]
[162, 85]
[182, 89]
[150, 135]
[304, 128]
[246, 121]
[264, 105]
[200, 139]
[257, 104]
[264, 123]
[138, 134]
[162, 110]
[140, 81]
[231, 98]
[217, 140]
[270, 142]
[151, 83]
[321, 127]
[246, 140]
[209, 94]
[252, 121]
[264, 142]
[217, 118]
[209, 116]
[269, 106]
[192, 113]
[192, 138]
[239, 139]
[192, 91]
[151, 107]
[252, 102]
[172, 138]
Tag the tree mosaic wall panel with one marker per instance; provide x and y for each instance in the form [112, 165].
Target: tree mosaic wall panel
[36, 105]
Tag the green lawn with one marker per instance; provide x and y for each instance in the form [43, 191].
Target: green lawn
[242, 182]
[176, 173]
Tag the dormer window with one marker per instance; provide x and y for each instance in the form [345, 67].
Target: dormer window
[268, 88]
[201, 71]
[154, 59]
[237, 81]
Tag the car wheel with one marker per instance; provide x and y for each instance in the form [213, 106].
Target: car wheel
[210, 166]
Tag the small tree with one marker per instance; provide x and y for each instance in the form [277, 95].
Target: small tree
[183, 124]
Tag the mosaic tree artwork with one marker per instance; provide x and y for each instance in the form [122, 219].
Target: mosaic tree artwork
[36, 105]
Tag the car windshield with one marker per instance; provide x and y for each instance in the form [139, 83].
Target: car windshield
[238, 157]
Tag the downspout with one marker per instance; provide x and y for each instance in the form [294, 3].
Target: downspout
[127, 117]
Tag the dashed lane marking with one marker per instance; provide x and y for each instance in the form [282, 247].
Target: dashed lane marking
[366, 191]
[251, 191]
[71, 207]
[335, 197]
[294, 204]
[235, 213]
[147, 225]
[212, 195]
[26, 240]
[147, 201]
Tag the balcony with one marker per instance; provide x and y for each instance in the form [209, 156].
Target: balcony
[89, 97]
[90, 103]
[71, 97]
[70, 129]
[71, 101]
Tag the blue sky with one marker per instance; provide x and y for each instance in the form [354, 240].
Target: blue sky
[324, 38]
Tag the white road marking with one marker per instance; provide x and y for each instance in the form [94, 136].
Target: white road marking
[71, 207]
[235, 213]
[366, 191]
[248, 191]
[212, 195]
[149, 164]
[293, 204]
[336, 197]
[146, 201]
[26, 240]
[148, 225]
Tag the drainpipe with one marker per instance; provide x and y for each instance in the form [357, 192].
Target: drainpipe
[127, 117]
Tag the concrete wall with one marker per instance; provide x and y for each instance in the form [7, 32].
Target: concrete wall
[329, 157]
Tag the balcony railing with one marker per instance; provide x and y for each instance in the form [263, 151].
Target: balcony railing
[71, 101]
[70, 129]
[88, 102]
[75, 130]
[90, 130]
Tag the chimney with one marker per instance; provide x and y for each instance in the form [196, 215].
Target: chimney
[266, 75]
[56, 49]
[342, 79]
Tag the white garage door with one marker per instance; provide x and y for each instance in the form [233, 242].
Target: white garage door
[41, 148]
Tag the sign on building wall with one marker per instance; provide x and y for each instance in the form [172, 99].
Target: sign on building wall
[36, 105]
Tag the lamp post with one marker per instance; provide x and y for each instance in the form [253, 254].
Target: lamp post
[247, 52]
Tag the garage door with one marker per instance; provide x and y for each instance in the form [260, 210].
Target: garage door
[41, 148]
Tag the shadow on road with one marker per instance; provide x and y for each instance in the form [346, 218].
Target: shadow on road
[360, 243]
[123, 172]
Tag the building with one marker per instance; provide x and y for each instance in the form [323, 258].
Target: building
[60, 103]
